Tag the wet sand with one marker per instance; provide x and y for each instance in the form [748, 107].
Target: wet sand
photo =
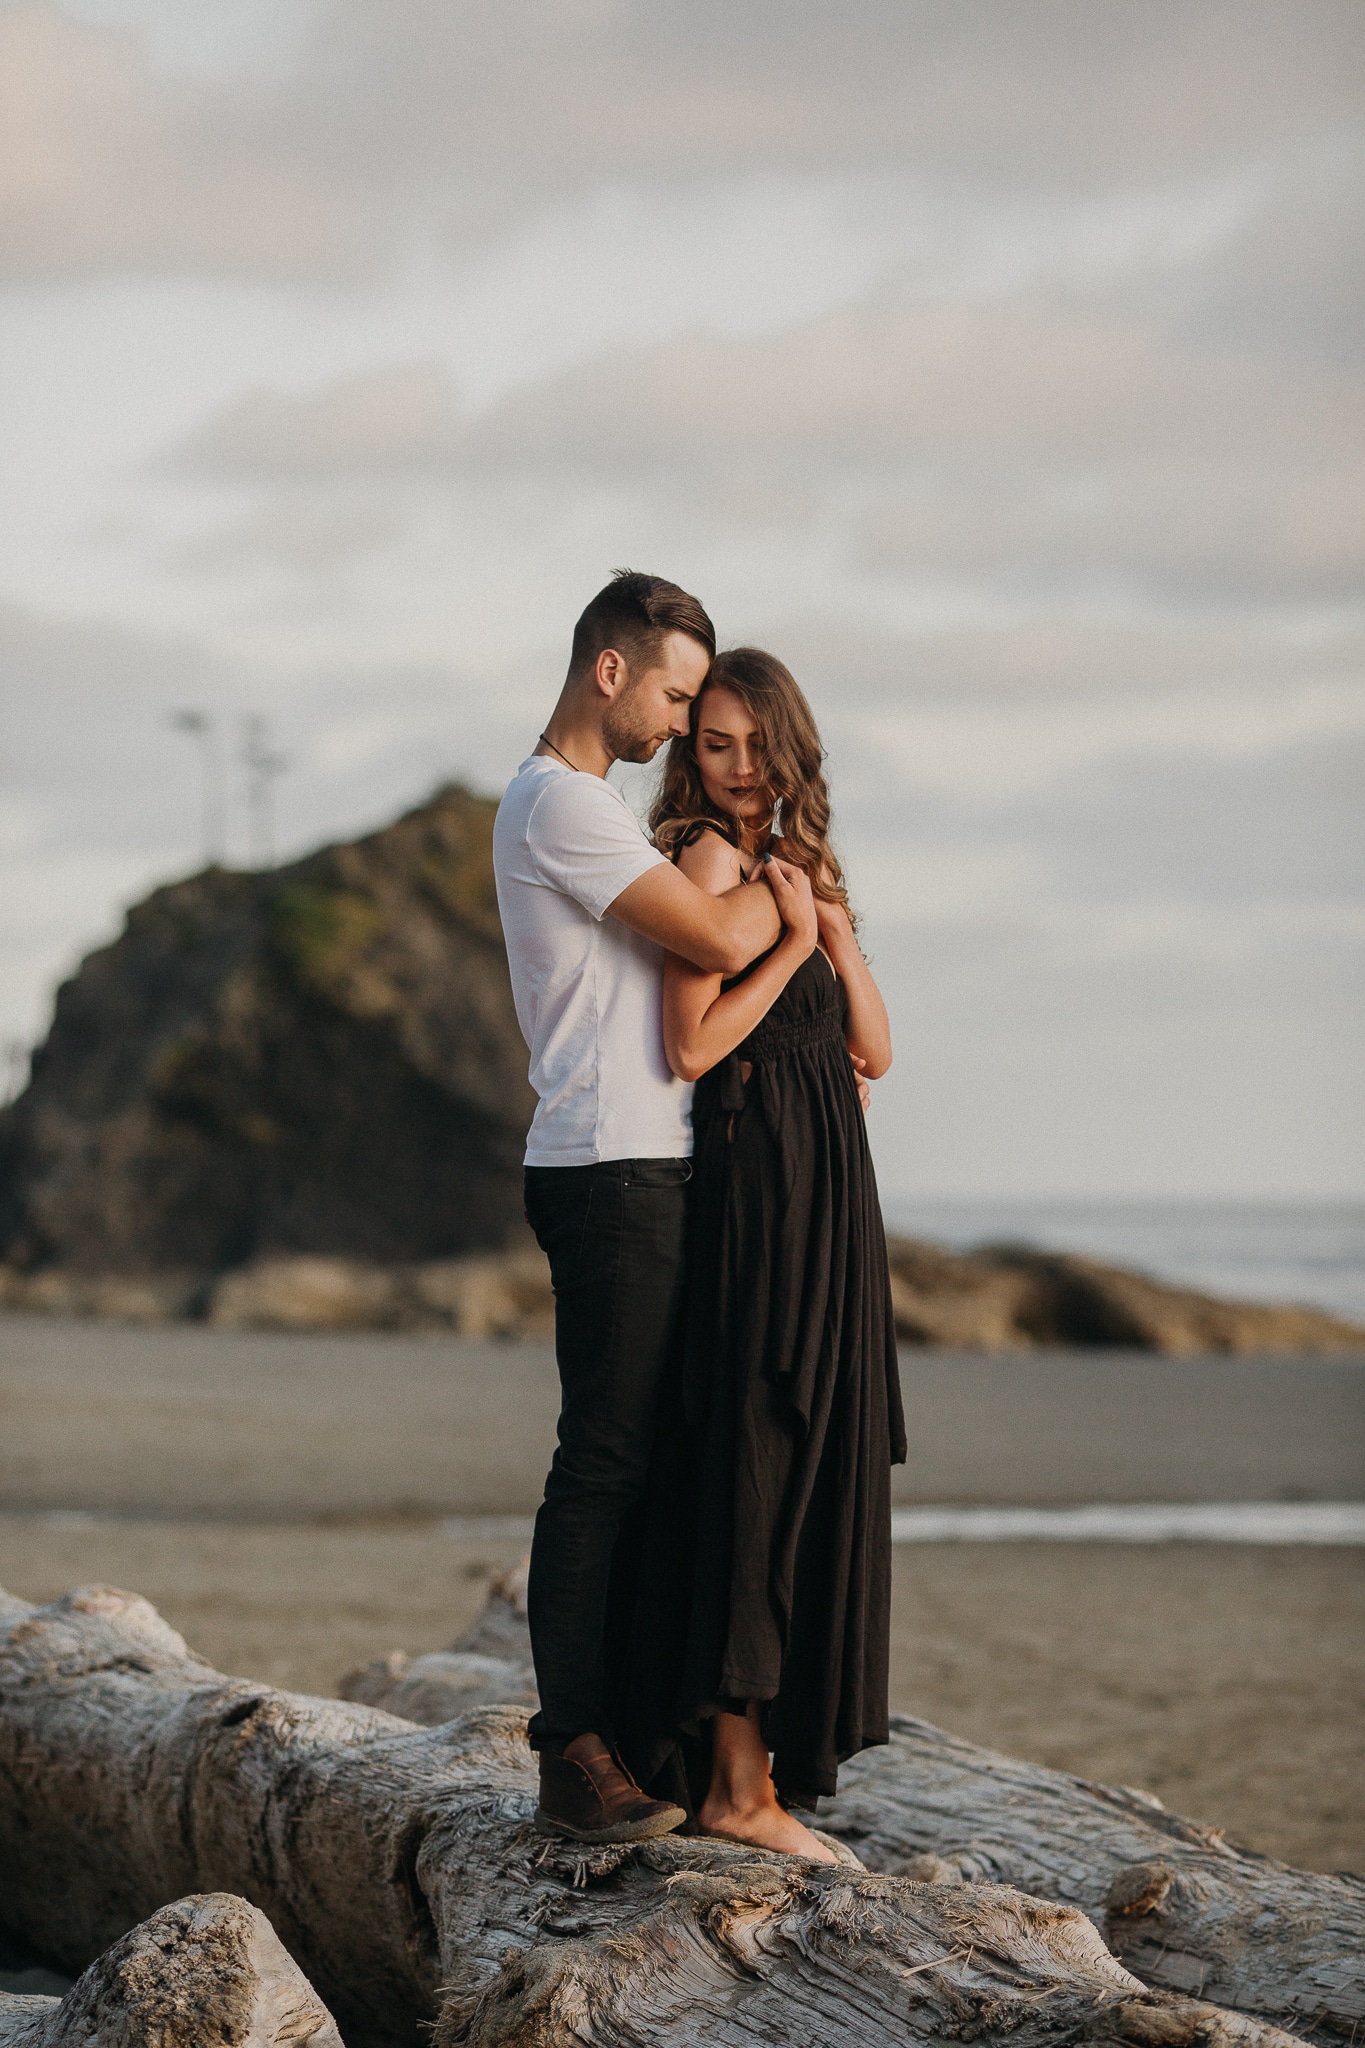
[190, 1420]
[277, 1499]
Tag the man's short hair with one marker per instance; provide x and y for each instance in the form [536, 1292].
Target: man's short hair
[635, 614]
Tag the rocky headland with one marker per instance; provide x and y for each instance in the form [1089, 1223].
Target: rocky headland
[297, 1099]
[321, 1059]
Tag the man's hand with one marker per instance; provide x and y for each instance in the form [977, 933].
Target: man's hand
[864, 1085]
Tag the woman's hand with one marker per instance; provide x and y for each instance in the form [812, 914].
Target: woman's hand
[833, 926]
[795, 903]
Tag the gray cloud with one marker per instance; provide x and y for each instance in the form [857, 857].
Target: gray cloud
[1288, 283]
[111, 163]
[655, 88]
[300, 533]
[107, 166]
[856, 385]
[402, 417]
[1090, 686]
[1012, 381]
[1187, 532]
[995, 365]
[1035, 443]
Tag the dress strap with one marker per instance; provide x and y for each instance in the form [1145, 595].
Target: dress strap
[694, 832]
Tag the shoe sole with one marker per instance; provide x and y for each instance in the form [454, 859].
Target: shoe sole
[625, 1831]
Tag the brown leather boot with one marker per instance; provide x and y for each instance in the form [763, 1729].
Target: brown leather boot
[589, 1795]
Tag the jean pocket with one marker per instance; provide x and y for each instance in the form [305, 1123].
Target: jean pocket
[658, 1173]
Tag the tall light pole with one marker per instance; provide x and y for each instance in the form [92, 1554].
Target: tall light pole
[16, 1058]
[202, 727]
[263, 766]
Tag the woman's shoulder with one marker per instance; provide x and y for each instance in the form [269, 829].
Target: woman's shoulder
[708, 857]
[695, 833]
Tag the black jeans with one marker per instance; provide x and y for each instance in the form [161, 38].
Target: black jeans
[613, 1234]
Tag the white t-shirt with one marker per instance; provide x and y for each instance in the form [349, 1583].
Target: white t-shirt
[588, 991]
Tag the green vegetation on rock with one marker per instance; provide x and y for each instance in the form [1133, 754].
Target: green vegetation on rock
[319, 935]
[319, 1060]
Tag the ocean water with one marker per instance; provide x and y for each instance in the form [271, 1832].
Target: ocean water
[1313, 1253]
[1335, 1522]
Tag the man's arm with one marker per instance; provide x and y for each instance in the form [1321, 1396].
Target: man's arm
[720, 934]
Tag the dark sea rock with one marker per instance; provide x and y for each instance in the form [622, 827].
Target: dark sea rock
[1014, 1297]
[319, 1059]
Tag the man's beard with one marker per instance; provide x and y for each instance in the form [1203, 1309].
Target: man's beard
[627, 732]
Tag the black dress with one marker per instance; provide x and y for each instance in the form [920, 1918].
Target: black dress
[763, 1567]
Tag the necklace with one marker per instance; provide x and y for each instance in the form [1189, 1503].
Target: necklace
[562, 755]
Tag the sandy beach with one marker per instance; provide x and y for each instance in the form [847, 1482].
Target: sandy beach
[281, 1500]
[186, 1419]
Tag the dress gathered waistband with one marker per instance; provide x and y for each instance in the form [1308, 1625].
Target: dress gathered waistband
[769, 1041]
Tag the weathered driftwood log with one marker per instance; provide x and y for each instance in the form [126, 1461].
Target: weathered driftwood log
[1182, 1908]
[204, 1970]
[489, 1665]
[1178, 1904]
[438, 1686]
[401, 1869]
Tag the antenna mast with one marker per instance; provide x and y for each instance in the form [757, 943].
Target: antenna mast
[201, 726]
[263, 767]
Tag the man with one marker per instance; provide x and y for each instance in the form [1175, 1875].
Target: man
[587, 905]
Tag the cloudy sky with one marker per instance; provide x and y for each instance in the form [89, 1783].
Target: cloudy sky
[997, 362]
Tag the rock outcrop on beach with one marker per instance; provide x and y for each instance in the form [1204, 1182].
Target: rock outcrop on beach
[1001, 1298]
[297, 1100]
[321, 1059]
[1012, 1297]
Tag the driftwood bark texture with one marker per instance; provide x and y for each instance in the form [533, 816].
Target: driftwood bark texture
[1180, 1906]
[206, 1972]
[400, 1868]
[489, 1665]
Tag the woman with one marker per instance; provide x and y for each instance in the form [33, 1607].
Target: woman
[761, 1613]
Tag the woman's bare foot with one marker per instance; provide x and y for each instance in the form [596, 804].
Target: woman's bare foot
[741, 1802]
[766, 1827]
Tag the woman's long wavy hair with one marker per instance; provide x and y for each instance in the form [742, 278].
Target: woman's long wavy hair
[793, 771]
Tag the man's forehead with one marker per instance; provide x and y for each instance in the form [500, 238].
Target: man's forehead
[688, 659]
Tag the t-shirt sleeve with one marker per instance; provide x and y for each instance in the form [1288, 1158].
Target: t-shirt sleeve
[585, 842]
